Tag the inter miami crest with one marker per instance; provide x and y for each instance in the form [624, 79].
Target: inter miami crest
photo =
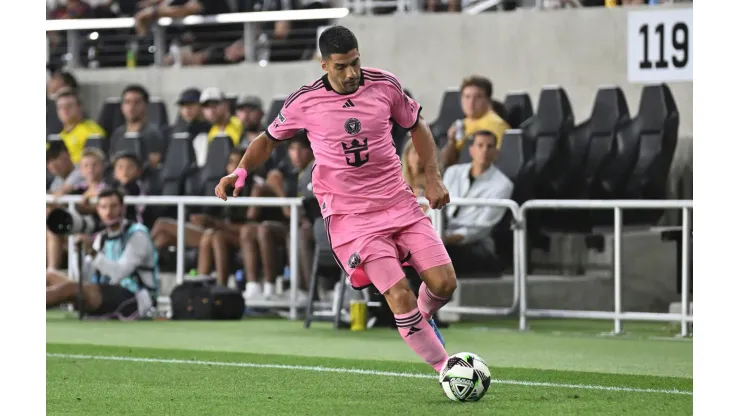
[352, 126]
[354, 261]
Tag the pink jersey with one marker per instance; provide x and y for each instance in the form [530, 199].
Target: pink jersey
[357, 169]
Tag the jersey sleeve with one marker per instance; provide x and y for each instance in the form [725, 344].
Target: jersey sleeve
[404, 110]
[287, 123]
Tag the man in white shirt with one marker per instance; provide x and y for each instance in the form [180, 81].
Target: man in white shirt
[467, 232]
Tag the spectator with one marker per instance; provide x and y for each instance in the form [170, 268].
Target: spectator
[222, 234]
[216, 111]
[59, 80]
[67, 178]
[75, 129]
[259, 241]
[190, 120]
[250, 113]
[134, 106]
[443, 5]
[476, 101]
[124, 276]
[127, 171]
[467, 232]
[92, 167]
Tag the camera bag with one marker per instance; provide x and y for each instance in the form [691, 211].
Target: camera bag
[203, 299]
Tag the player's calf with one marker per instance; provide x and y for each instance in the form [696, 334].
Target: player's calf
[414, 329]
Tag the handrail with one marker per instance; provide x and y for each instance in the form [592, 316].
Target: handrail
[247, 17]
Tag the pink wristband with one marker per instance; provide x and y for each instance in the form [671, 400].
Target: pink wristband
[241, 177]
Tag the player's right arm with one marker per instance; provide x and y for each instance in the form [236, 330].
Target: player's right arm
[286, 125]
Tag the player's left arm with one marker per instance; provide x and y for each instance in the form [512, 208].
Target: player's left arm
[407, 113]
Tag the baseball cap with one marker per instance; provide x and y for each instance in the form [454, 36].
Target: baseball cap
[250, 101]
[211, 94]
[189, 96]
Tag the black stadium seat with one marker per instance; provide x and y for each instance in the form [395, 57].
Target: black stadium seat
[110, 116]
[545, 134]
[133, 142]
[518, 108]
[215, 167]
[97, 141]
[53, 124]
[275, 106]
[656, 128]
[178, 163]
[586, 151]
[449, 111]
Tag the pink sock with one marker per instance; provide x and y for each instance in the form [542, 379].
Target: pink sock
[428, 302]
[420, 336]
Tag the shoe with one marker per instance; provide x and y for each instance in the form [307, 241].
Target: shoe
[436, 331]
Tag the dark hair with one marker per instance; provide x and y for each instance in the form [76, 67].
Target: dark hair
[336, 39]
[54, 149]
[301, 138]
[108, 192]
[480, 82]
[487, 133]
[127, 154]
[137, 89]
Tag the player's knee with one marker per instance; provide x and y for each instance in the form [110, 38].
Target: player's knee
[400, 297]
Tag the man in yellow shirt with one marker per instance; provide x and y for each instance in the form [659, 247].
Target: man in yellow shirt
[216, 111]
[475, 98]
[75, 130]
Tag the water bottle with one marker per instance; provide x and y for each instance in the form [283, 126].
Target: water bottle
[240, 283]
[92, 61]
[175, 53]
[459, 130]
[263, 49]
[131, 53]
[192, 274]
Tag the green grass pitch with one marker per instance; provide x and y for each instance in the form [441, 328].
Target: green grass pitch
[275, 367]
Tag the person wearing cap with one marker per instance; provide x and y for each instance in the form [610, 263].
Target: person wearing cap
[249, 111]
[216, 111]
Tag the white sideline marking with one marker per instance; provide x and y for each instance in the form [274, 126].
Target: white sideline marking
[359, 371]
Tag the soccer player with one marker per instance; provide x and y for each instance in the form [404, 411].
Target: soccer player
[373, 220]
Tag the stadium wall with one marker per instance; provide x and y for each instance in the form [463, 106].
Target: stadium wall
[580, 49]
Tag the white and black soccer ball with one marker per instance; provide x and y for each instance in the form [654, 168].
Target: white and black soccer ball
[465, 377]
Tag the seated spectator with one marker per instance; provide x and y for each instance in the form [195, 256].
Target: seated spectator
[92, 168]
[124, 276]
[127, 178]
[259, 241]
[67, 178]
[134, 106]
[221, 234]
[190, 120]
[467, 231]
[250, 113]
[216, 111]
[476, 101]
[75, 129]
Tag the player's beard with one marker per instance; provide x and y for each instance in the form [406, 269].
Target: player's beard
[351, 86]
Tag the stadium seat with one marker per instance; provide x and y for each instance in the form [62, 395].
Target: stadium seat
[215, 167]
[545, 135]
[232, 98]
[449, 111]
[656, 129]
[518, 107]
[275, 106]
[178, 163]
[53, 124]
[97, 141]
[587, 149]
[110, 116]
[131, 141]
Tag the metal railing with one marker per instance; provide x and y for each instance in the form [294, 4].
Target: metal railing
[519, 229]
[617, 315]
[73, 27]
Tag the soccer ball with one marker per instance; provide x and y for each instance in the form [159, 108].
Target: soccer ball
[465, 377]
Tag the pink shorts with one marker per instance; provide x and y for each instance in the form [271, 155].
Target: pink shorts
[370, 247]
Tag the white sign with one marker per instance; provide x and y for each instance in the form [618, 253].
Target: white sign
[659, 46]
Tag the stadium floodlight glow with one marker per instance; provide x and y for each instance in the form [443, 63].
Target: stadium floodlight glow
[128, 22]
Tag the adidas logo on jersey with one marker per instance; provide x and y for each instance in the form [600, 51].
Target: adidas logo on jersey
[348, 104]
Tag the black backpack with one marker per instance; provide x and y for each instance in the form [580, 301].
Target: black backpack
[203, 299]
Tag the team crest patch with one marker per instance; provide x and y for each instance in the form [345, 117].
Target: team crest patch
[354, 261]
[352, 126]
[281, 117]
